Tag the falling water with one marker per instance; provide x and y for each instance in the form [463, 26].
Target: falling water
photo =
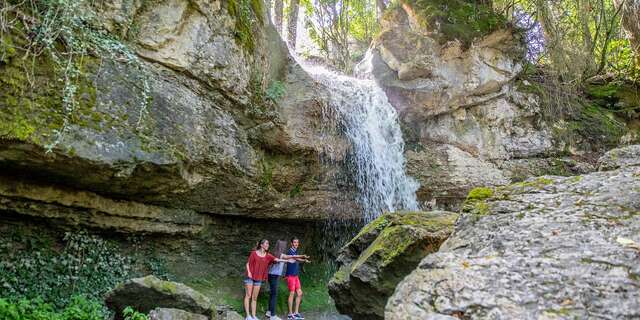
[371, 124]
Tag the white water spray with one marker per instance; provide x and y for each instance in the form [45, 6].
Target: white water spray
[371, 124]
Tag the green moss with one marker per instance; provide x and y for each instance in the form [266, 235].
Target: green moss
[537, 183]
[590, 126]
[618, 97]
[376, 225]
[246, 13]
[480, 193]
[431, 221]
[458, 19]
[481, 208]
[395, 238]
[267, 175]
[168, 287]
[164, 286]
[295, 191]
[575, 179]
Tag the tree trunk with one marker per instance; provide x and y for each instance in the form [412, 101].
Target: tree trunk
[380, 8]
[631, 21]
[277, 7]
[292, 28]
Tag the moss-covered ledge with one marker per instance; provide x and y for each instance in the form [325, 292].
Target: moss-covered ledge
[381, 255]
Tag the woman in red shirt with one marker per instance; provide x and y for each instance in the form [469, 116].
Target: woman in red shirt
[257, 266]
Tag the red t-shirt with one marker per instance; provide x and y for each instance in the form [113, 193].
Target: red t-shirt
[259, 265]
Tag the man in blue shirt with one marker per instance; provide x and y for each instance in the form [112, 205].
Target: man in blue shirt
[293, 280]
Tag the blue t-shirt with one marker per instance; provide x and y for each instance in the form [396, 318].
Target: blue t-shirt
[293, 269]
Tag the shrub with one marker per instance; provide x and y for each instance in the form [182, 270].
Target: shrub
[87, 266]
[79, 308]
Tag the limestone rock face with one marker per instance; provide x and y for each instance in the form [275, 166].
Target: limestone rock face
[549, 247]
[178, 113]
[620, 157]
[148, 293]
[424, 78]
[379, 257]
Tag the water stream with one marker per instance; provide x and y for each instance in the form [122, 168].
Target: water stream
[371, 124]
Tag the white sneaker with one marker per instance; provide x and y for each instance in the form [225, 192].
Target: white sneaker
[268, 314]
[274, 318]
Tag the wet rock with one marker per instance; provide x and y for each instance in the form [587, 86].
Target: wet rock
[148, 293]
[379, 257]
[548, 247]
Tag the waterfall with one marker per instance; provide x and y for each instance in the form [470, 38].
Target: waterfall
[371, 124]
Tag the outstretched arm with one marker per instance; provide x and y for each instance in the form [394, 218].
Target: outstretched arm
[297, 256]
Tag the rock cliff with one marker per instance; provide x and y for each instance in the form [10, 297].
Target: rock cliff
[171, 107]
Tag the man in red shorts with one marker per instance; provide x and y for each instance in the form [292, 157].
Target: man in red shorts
[293, 280]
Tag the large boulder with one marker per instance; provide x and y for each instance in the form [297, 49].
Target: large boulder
[549, 247]
[385, 251]
[148, 293]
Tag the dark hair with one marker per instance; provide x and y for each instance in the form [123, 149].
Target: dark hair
[260, 243]
[294, 238]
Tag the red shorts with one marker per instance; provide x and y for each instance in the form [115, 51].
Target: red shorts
[293, 282]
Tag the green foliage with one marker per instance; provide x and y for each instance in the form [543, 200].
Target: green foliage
[275, 91]
[336, 24]
[79, 308]
[130, 314]
[246, 13]
[595, 125]
[295, 191]
[459, 19]
[158, 268]
[267, 175]
[87, 266]
[53, 39]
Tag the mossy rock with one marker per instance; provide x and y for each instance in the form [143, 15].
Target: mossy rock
[148, 293]
[381, 255]
[462, 20]
[615, 96]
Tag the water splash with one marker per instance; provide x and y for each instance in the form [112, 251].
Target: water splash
[377, 155]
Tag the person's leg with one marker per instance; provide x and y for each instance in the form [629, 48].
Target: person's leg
[292, 291]
[273, 293]
[254, 298]
[248, 288]
[298, 295]
[290, 301]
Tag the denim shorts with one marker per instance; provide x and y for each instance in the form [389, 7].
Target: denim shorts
[252, 282]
